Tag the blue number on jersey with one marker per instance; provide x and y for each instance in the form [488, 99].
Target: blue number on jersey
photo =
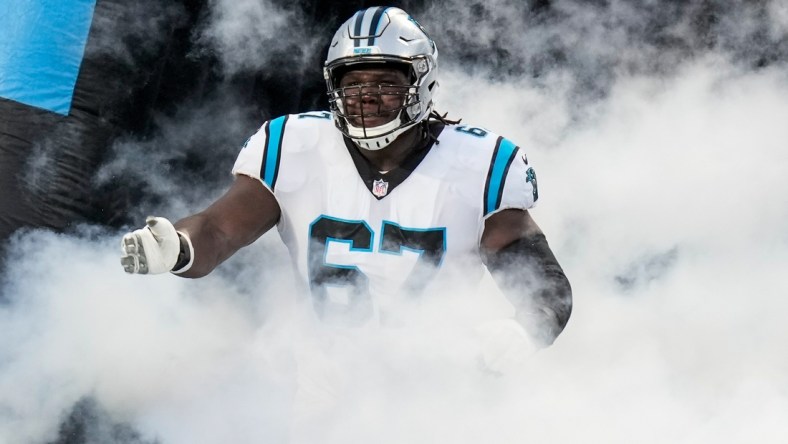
[473, 131]
[315, 115]
[429, 242]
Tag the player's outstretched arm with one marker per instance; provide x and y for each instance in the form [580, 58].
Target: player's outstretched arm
[520, 260]
[235, 220]
[197, 244]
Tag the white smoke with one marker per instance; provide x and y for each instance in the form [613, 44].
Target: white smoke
[663, 198]
[665, 215]
[147, 348]
[254, 35]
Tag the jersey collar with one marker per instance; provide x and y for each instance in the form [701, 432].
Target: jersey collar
[382, 184]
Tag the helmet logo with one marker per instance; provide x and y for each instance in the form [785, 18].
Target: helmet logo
[380, 187]
[363, 50]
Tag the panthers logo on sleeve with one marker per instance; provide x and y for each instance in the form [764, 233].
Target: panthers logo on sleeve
[530, 177]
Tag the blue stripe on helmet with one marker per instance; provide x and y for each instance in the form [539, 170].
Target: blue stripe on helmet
[375, 24]
[504, 155]
[357, 28]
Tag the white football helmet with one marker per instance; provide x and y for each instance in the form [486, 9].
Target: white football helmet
[382, 36]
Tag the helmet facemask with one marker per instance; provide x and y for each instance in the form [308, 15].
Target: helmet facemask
[358, 107]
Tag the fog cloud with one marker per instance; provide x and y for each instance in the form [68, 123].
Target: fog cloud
[252, 35]
[659, 139]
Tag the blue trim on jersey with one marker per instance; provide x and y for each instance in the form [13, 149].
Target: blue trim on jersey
[273, 150]
[375, 25]
[42, 45]
[504, 155]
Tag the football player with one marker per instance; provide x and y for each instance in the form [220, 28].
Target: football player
[381, 197]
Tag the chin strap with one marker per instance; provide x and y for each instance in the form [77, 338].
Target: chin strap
[378, 143]
[378, 137]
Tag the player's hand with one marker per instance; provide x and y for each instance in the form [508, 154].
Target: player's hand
[153, 249]
[505, 346]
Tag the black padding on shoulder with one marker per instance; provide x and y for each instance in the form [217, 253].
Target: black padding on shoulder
[530, 276]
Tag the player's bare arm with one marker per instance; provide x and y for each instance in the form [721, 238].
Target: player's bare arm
[520, 260]
[197, 244]
[235, 220]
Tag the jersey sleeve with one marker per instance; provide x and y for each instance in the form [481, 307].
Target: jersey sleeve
[511, 180]
[260, 156]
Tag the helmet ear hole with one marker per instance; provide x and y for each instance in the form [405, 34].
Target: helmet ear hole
[430, 86]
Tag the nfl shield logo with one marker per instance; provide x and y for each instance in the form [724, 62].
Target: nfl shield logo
[380, 187]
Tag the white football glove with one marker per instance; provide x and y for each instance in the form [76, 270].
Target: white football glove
[153, 249]
[505, 345]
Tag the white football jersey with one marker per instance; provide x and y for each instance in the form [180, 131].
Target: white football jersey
[361, 238]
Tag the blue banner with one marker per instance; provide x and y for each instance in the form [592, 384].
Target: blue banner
[42, 43]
